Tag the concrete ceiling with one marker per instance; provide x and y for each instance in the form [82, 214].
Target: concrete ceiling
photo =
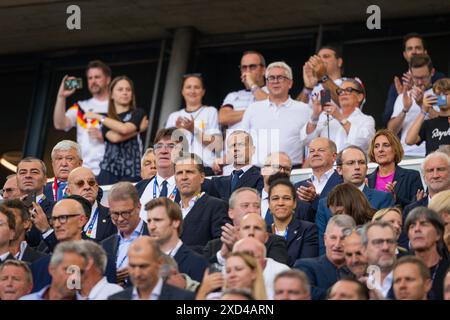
[39, 25]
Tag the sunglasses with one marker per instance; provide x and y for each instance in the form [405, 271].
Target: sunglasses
[81, 183]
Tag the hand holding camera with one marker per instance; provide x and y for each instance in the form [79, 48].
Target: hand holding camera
[69, 85]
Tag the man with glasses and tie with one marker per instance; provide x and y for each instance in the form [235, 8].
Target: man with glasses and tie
[275, 123]
[82, 182]
[10, 189]
[66, 156]
[252, 68]
[124, 208]
[163, 183]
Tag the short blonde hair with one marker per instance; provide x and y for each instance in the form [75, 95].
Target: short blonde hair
[441, 86]
[382, 212]
[393, 140]
[440, 202]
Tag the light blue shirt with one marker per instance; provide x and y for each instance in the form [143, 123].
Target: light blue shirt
[124, 244]
[156, 292]
[36, 295]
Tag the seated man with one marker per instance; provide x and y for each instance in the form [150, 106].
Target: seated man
[325, 270]
[291, 285]
[412, 279]
[348, 289]
[15, 280]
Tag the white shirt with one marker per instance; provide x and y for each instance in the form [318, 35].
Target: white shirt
[156, 292]
[277, 128]
[4, 256]
[264, 203]
[319, 87]
[101, 291]
[319, 185]
[361, 131]
[94, 227]
[147, 195]
[205, 119]
[240, 100]
[270, 272]
[192, 202]
[92, 149]
[387, 284]
[410, 117]
[172, 252]
[22, 248]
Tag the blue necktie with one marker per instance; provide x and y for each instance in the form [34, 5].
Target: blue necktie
[269, 219]
[61, 187]
[235, 178]
[163, 192]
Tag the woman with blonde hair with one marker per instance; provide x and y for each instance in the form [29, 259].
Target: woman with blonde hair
[441, 204]
[393, 216]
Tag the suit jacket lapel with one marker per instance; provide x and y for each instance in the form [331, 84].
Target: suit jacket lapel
[335, 179]
[295, 231]
[247, 176]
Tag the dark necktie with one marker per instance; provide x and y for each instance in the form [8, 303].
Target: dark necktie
[235, 178]
[163, 192]
[268, 218]
[61, 187]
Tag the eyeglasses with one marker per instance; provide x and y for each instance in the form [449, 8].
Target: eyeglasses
[81, 183]
[280, 78]
[62, 218]
[123, 214]
[379, 242]
[244, 67]
[278, 167]
[349, 90]
[353, 162]
[159, 146]
[7, 190]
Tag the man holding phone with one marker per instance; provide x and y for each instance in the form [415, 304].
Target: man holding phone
[88, 131]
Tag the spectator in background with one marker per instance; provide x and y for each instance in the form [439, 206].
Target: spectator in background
[121, 129]
[198, 123]
[148, 164]
[434, 131]
[355, 260]
[345, 125]
[411, 279]
[66, 156]
[413, 44]
[393, 216]
[291, 285]
[408, 104]
[15, 280]
[425, 231]
[348, 289]
[89, 136]
[7, 226]
[252, 68]
[10, 189]
[447, 286]
[440, 203]
[404, 184]
[278, 117]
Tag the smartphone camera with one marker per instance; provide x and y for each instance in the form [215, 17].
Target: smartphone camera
[70, 84]
[325, 96]
[441, 100]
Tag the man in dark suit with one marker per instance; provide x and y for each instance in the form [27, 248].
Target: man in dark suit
[31, 178]
[163, 184]
[436, 174]
[66, 156]
[165, 223]
[321, 157]
[82, 182]
[124, 208]
[351, 164]
[18, 246]
[242, 202]
[240, 151]
[325, 270]
[7, 226]
[145, 260]
[203, 215]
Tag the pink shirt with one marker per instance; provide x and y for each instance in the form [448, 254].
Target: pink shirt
[381, 182]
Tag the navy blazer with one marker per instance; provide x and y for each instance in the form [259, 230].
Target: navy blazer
[33, 236]
[408, 182]
[251, 178]
[141, 185]
[30, 255]
[105, 227]
[168, 292]
[307, 211]
[39, 270]
[302, 240]
[322, 274]
[403, 240]
[111, 245]
[204, 222]
[377, 199]
[191, 263]
[275, 248]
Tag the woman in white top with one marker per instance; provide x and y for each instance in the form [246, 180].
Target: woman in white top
[197, 122]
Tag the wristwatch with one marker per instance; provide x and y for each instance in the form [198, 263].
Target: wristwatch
[323, 79]
[343, 122]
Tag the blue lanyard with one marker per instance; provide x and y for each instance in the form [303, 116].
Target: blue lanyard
[91, 224]
[171, 196]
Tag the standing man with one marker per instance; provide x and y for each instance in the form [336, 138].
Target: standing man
[89, 136]
[252, 67]
[278, 120]
[66, 156]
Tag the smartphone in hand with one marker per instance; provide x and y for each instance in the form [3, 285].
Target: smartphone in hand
[76, 83]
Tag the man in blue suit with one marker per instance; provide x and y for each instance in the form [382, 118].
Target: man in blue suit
[321, 157]
[351, 164]
[145, 260]
[325, 270]
[165, 222]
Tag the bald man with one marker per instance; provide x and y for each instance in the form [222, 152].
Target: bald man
[82, 182]
[144, 262]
